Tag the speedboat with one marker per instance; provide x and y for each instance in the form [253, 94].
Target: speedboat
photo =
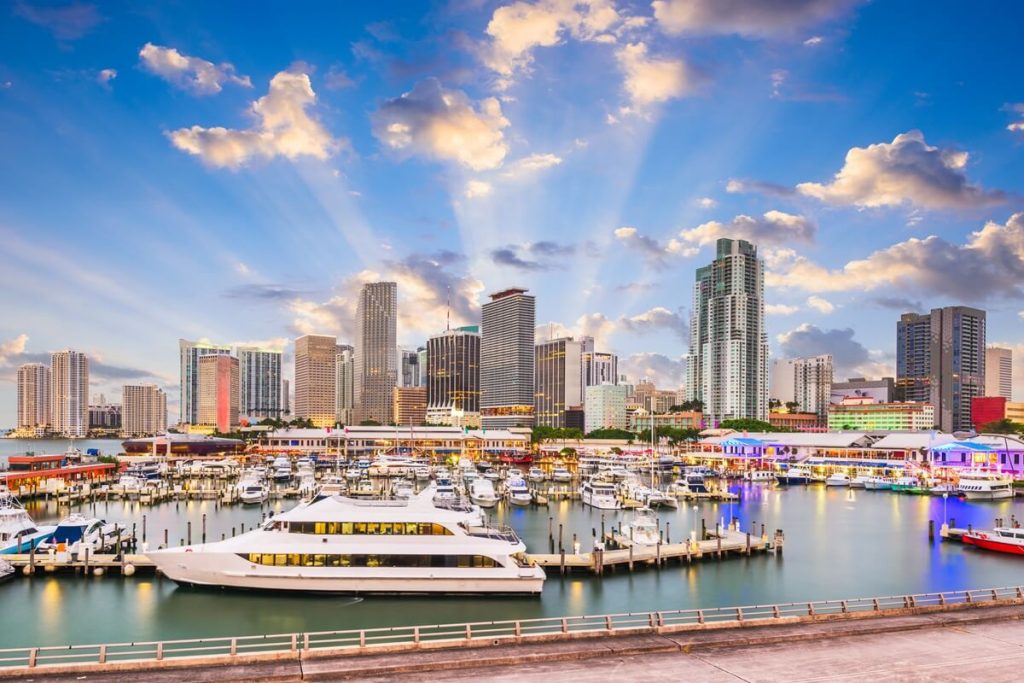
[282, 474]
[561, 475]
[986, 485]
[333, 485]
[695, 482]
[130, 485]
[514, 473]
[860, 481]
[492, 475]
[253, 492]
[838, 479]
[1000, 539]
[536, 475]
[878, 483]
[18, 533]
[341, 545]
[468, 475]
[77, 530]
[759, 475]
[422, 473]
[518, 493]
[908, 484]
[793, 476]
[445, 490]
[600, 494]
[642, 529]
[481, 492]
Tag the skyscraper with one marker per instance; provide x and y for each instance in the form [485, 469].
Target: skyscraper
[34, 398]
[376, 350]
[259, 383]
[727, 364]
[69, 393]
[507, 359]
[558, 368]
[421, 360]
[345, 383]
[940, 359]
[409, 366]
[804, 381]
[286, 397]
[143, 410]
[598, 368]
[999, 372]
[218, 392]
[190, 352]
[315, 379]
[453, 378]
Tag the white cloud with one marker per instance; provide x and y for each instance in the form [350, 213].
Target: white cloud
[706, 203]
[242, 268]
[531, 164]
[850, 357]
[1018, 109]
[778, 79]
[285, 128]
[105, 76]
[821, 305]
[656, 319]
[780, 309]
[650, 80]
[774, 227]
[751, 18]
[659, 368]
[907, 170]
[476, 189]
[814, 41]
[12, 347]
[193, 74]
[654, 251]
[444, 125]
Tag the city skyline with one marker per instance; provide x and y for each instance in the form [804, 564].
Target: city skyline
[601, 199]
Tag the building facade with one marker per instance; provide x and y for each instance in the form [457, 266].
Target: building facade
[862, 415]
[453, 377]
[604, 407]
[33, 399]
[286, 397]
[409, 368]
[259, 372]
[189, 354]
[376, 351]
[315, 377]
[507, 360]
[880, 390]
[143, 410]
[558, 384]
[218, 392]
[344, 384]
[105, 416]
[804, 381]
[727, 364]
[69, 393]
[598, 367]
[999, 372]
[409, 406]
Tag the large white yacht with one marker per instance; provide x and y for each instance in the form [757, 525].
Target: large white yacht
[18, 533]
[343, 545]
[600, 494]
[986, 485]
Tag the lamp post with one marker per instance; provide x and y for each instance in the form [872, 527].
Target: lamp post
[945, 517]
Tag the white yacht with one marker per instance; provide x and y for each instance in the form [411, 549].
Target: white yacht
[986, 485]
[561, 475]
[536, 475]
[794, 475]
[878, 483]
[518, 493]
[342, 545]
[332, 485]
[18, 533]
[253, 492]
[422, 473]
[77, 531]
[643, 528]
[403, 490]
[599, 494]
[838, 479]
[481, 492]
[860, 481]
[444, 490]
[759, 475]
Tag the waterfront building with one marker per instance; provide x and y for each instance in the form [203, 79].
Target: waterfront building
[144, 410]
[315, 377]
[605, 407]
[218, 392]
[33, 399]
[507, 359]
[727, 363]
[409, 405]
[999, 372]
[879, 390]
[807, 382]
[797, 422]
[864, 415]
[558, 368]
[376, 351]
[69, 393]
[432, 440]
[189, 354]
[344, 383]
[259, 372]
[106, 416]
[940, 359]
[453, 377]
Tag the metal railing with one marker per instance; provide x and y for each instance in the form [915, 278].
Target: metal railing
[412, 637]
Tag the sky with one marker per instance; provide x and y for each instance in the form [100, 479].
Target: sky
[235, 171]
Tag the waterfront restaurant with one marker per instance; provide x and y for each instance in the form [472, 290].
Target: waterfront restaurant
[50, 472]
[1004, 453]
[370, 441]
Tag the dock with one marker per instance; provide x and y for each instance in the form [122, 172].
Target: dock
[125, 564]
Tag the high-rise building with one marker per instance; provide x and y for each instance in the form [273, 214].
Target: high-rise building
[344, 364]
[558, 369]
[727, 364]
[34, 398]
[190, 352]
[999, 372]
[507, 359]
[940, 359]
[409, 368]
[598, 367]
[143, 410]
[453, 378]
[106, 416]
[409, 406]
[376, 351]
[421, 361]
[286, 397]
[315, 377]
[804, 381]
[218, 392]
[259, 372]
[69, 393]
[605, 407]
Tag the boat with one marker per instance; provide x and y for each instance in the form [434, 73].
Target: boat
[1000, 539]
[341, 545]
[878, 483]
[253, 492]
[144, 470]
[468, 474]
[695, 482]
[353, 473]
[403, 490]
[445, 490]
[860, 481]
[758, 475]
[332, 485]
[492, 475]
[6, 570]
[18, 533]
[536, 475]
[906, 484]
[518, 493]
[130, 485]
[514, 473]
[643, 529]
[77, 531]
[561, 475]
[986, 485]
[944, 489]
[422, 473]
[600, 494]
[481, 492]
[794, 476]
[838, 479]
[679, 487]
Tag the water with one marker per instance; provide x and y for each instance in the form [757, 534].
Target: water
[10, 447]
[839, 544]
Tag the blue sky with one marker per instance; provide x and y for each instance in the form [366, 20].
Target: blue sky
[234, 171]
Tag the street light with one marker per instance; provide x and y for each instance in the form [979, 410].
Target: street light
[945, 517]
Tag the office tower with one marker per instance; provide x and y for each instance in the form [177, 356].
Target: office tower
[558, 372]
[315, 377]
[409, 406]
[453, 378]
[804, 381]
[409, 366]
[727, 364]
[376, 351]
[69, 393]
[421, 361]
[143, 410]
[344, 364]
[507, 359]
[190, 352]
[259, 383]
[34, 397]
[940, 359]
[999, 372]
[218, 392]
[598, 367]
[286, 397]
[604, 407]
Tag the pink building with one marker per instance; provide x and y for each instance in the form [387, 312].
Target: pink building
[218, 392]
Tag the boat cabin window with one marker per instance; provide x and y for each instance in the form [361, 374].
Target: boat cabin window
[329, 560]
[369, 528]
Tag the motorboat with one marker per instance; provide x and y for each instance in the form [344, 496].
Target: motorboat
[1000, 539]
[838, 479]
[860, 481]
[536, 475]
[695, 482]
[986, 485]
[561, 475]
[518, 493]
[492, 475]
[333, 485]
[513, 473]
[878, 483]
[908, 484]
[679, 487]
[600, 494]
[253, 492]
[341, 545]
[643, 529]
[78, 531]
[468, 474]
[130, 485]
[445, 490]
[944, 489]
[144, 470]
[481, 492]
[649, 496]
[794, 476]
[18, 533]
[403, 490]
[422, 473]
[758, 475]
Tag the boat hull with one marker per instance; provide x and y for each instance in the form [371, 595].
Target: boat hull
[793, 481]
[993, 544]
[988, 495]
[26, 543]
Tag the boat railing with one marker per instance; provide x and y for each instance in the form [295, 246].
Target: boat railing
[498, 533]
[355, 641]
